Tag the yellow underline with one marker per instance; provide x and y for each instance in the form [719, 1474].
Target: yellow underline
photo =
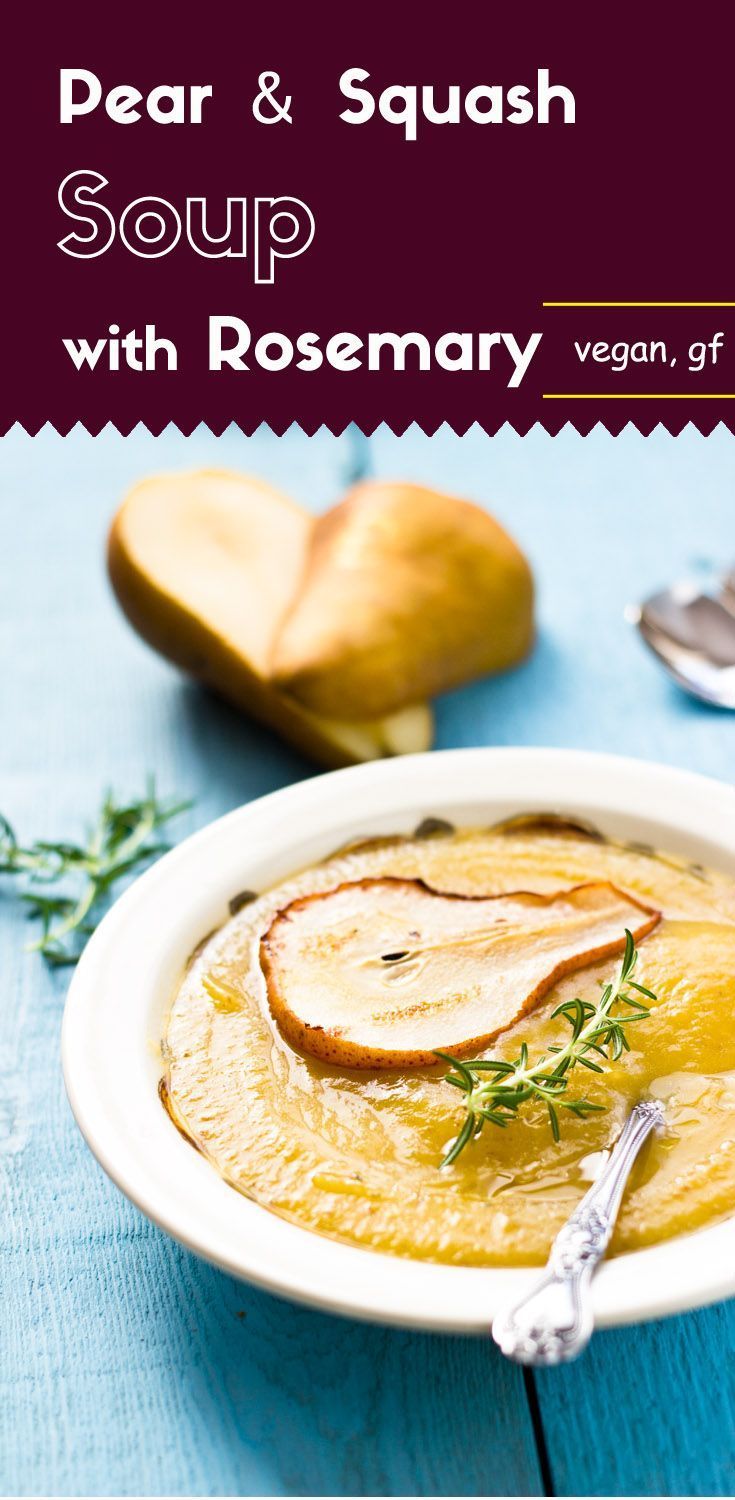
[638, 396]
[638, 304]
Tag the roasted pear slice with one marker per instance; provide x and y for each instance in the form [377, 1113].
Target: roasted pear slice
[406, 593]
[204, 566]
[383, 973]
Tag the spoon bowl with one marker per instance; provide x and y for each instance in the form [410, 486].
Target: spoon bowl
[692, 634]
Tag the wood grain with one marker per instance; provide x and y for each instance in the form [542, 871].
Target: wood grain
[128, 1366]
[648, 1410]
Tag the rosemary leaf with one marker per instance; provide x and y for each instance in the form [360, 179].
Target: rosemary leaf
[489, 1084]
[125, 837]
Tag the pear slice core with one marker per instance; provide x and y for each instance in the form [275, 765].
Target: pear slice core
[383, 973]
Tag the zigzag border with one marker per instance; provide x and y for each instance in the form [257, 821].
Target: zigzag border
[550, 429]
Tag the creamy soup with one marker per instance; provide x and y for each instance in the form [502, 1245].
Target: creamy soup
[355, 1153]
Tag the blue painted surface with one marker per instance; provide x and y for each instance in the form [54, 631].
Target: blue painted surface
[127, 1366]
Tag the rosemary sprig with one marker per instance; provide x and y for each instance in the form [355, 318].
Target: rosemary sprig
[123, 839]
[494, 1090]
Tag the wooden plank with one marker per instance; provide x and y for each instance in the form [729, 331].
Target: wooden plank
[128, 1366]
[648, 1410]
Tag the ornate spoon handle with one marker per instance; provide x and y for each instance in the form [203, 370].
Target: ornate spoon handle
[553, 1322]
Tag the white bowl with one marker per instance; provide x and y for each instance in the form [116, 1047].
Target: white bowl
[125, 979]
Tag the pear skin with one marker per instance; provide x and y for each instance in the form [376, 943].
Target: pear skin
[204, 566]
[383, 973]
[406, 593]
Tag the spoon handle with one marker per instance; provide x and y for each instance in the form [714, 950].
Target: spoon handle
[554, 1322]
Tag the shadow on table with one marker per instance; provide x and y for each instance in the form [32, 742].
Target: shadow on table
[227, 758]
[277, 1399]
[283, 1400]
[527, 705]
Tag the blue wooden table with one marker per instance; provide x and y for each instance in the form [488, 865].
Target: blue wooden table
[127, 1366]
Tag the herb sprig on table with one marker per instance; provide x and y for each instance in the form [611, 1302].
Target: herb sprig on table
[494, 1090]
[125, 837]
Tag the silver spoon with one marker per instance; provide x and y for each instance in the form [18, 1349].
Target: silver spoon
[728, 590]
[693, 635]
[554, 1321]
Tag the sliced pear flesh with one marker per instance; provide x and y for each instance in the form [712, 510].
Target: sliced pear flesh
[384, 973]
[406, 732]
[204, 565]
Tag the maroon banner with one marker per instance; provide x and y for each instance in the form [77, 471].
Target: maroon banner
[324, 214]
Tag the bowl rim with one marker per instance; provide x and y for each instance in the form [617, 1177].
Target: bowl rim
[130, 966]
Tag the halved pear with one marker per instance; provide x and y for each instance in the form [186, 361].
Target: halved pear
[384, 973]
[406, 593]
[205, 565]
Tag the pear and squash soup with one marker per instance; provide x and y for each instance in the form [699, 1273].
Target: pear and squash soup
[300, 1048]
